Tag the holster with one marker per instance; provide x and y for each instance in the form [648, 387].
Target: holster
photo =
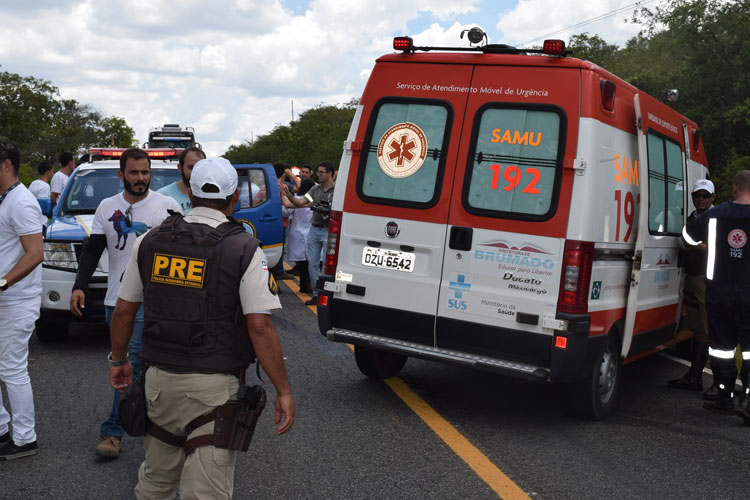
[234, 423]
[131, 407]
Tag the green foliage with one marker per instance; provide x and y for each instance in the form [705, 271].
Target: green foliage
[43, 125]
[27, 174]
[317, 135]
[723, 181]
[702, 49]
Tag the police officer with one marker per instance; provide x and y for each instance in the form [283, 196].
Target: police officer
[725, 229]
[207, 292]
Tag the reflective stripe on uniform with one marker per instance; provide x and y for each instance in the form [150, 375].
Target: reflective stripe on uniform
[721, 354]
[688, 239]
[711, 249]
[746, 355]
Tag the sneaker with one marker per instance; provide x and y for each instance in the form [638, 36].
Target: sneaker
[109, 447]
[312, 301]
[4, 439]
[10, 451]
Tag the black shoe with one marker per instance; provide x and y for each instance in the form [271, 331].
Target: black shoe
[4, 439]
[712, 393]
[294, 271]
[284, 276]
[743, 408]
[723, 406]
[312, 301]
[10, 451]
[689, 382]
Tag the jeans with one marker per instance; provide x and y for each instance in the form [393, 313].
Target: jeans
[112, 426]
[316, 245]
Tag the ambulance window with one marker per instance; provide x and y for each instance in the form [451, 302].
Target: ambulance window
[403, 154]
[666, 186]
[514, 168]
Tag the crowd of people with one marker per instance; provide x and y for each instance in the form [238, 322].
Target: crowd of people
[192, 352]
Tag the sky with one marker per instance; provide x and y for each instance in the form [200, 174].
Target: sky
[235, 69]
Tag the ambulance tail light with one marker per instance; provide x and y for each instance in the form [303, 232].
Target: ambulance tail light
[332, 248]
[404, 43]
[554, 47]
[576, 277]
[608, 95]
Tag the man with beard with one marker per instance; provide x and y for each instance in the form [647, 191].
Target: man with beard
[135, 210]
[179, 190]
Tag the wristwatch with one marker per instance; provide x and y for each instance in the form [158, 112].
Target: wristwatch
[3, 284]
[120, 362]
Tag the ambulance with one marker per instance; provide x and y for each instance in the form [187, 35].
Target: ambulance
[509, 210]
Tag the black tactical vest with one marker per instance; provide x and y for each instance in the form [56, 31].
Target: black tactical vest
[191, 274]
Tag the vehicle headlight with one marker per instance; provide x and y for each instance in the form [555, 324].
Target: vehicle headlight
[60, 255]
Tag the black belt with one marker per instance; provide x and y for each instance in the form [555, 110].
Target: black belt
[319, 225]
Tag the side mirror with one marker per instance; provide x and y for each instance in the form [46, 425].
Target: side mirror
[46, 205]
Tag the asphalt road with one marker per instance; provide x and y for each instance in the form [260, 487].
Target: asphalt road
[355, 438]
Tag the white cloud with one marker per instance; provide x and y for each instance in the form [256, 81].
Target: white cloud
[230, 68]
[531, 19]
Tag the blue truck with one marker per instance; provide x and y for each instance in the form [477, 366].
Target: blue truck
[70, 222]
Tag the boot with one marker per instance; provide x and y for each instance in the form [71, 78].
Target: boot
[725, 371]
[304, 278]
[712, 393]
[693, 379]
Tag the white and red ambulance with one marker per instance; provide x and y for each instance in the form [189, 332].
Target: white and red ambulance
[509, 210]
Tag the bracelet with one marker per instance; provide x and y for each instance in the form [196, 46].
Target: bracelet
[121, 362]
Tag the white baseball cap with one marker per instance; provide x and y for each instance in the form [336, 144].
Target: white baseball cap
[704, 184]
[213, 178]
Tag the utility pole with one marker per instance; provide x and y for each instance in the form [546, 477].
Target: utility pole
[292, 109]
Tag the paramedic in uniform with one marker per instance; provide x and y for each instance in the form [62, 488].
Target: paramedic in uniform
[183, 383]
[725, 229]
[695, 293]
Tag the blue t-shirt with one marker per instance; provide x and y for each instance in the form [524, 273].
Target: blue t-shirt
[173, 191]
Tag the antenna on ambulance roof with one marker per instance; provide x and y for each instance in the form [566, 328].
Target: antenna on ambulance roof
[475, 35]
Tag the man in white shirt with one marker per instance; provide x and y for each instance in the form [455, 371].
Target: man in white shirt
[67, 164]
[179, 190]
[20, 298]
[118, 221]
[40, 187]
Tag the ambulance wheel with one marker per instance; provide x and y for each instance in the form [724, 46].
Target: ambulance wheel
[50, 330]
[378, 364]
[594, 396]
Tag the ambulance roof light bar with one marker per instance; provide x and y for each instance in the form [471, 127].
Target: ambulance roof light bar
[550, 47]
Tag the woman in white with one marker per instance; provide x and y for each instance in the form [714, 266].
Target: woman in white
[296, 240]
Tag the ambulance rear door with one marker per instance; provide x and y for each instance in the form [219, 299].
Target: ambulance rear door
[395, 208]
[655, 290]
[508, 216]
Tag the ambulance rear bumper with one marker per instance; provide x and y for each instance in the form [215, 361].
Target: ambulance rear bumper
[414, 350]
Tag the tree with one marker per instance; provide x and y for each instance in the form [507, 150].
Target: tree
[42, 125]
[115, 132]
[317, 135]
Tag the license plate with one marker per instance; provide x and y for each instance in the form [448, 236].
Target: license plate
[388, 259]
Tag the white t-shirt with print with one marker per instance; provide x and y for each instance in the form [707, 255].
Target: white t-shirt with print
[19, 216]
[122, 223]
[58, 182]
[39, 188]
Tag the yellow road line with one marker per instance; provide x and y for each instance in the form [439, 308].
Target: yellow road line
[478, 461]
[484, 468]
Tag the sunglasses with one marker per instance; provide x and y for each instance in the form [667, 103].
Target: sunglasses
[704, 196]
